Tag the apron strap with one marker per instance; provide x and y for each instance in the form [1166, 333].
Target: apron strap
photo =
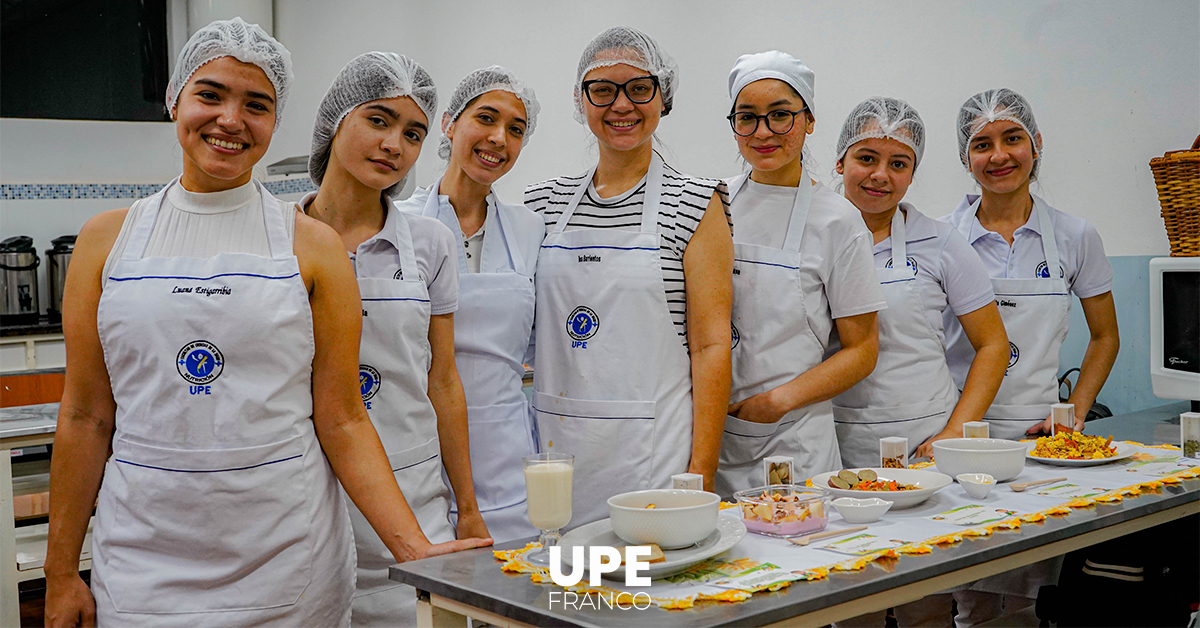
[404, 245]
[135, 248]
[509, 236]
[277, 240]
[899, 239]
[1049, 243]
[573, 202]
[650, 203]
[433, 209]
[800, 206]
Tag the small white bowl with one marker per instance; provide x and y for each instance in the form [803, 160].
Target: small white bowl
[977, 485]
[861, 510]
[679, 518]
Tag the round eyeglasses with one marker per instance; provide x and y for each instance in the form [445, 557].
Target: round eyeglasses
[639, 91]
[779, 121]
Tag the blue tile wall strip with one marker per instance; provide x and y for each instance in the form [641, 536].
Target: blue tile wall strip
[56, 191]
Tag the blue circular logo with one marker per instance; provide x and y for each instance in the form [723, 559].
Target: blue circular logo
[200, 362]
[583, 323]
[737, 336]
[1044, 272]
[912, 263]
[1014, 354]
[368, 381]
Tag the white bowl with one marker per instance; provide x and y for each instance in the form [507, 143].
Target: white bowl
[977, 485]
[679, 518]
[861, 510]
[927, 482]
[999, 458]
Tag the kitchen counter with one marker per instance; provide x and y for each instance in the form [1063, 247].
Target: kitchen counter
[471, 583]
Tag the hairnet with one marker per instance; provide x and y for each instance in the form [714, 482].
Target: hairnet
[773, 65]
[235, 38]
[882, 117]
[987, 107]
[369, 76]
[480, 82]
[622, 44]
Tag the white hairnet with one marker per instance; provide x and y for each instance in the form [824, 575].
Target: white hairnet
[235, 38]
[984, 108]
[480, 82]
[369, 76]
[773, 65]
[882, 117]
[622, 44]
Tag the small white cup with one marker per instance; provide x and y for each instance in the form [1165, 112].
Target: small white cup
[977, 485]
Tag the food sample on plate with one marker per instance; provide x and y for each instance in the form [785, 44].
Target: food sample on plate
[1074, 446]
[783, 510]
[866, 480]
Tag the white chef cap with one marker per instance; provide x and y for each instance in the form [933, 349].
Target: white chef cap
[235, 38]
[369, 76]
[480, 82]
[881, 117]
[986, 107]
[622, 44]
[772, 65]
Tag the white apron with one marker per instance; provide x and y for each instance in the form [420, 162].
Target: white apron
[774, 345]
[1036, 314]
[491, 334]
[910, 392]
[613, 382]
[217, 505]
[393, 378]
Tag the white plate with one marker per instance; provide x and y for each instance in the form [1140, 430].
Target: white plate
[928, 483]
[1124, 450]
[729, 531]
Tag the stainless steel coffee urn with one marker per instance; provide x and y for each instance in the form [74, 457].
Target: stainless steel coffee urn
[58, 257]
[19, 281]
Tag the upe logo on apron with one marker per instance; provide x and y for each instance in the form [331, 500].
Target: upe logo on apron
[1014, 354]
[582, 324]
[737, 337]
[912, 263]
[1044, 272]
[200, 362]
[368, 382]
[399, 274]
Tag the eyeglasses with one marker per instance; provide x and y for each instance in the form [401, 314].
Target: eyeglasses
[779, 121]
[640, 90]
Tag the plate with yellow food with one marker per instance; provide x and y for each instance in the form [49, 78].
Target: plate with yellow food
[905, 487]
[1076, 449]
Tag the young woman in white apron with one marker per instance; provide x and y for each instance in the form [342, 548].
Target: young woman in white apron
[802, 265]
[926, 268]
[212, 342]
[1036, 257]
[632, 369]
[490, 118]
[369, 131]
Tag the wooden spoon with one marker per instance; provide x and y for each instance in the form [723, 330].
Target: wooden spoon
[1021, 487]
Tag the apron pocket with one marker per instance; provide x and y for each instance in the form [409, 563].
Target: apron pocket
[500, 437]
[418, 472]
[206, 530]
[744, 441]
[612, 441]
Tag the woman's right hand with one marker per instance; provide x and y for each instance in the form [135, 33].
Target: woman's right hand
[69, 602]
[457, 545]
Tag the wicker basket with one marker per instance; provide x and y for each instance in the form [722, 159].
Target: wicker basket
[1177, 177]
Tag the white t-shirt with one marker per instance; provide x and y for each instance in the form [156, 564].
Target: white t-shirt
[201, 225]
[951, 278]
[433, 248]
[1085, 265]
[837, 273]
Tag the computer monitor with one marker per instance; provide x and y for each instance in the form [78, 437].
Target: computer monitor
[1175, 328]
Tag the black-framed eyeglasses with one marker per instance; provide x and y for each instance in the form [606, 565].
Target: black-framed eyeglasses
[779, 121]
[639, 90]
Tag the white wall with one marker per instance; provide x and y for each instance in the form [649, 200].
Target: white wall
[1113, 83]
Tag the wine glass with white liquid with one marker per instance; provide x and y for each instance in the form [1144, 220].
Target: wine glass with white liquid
[548, 487]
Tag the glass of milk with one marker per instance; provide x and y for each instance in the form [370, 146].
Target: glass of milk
[548, 486]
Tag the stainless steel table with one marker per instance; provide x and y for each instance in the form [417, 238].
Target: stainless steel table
[470, 584]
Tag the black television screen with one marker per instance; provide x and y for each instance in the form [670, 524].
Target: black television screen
[84, 59]
[1181, 321]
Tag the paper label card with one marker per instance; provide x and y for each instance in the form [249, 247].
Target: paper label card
[1070, 491]
[862, 544]
[1150, 464]
[972, 515]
